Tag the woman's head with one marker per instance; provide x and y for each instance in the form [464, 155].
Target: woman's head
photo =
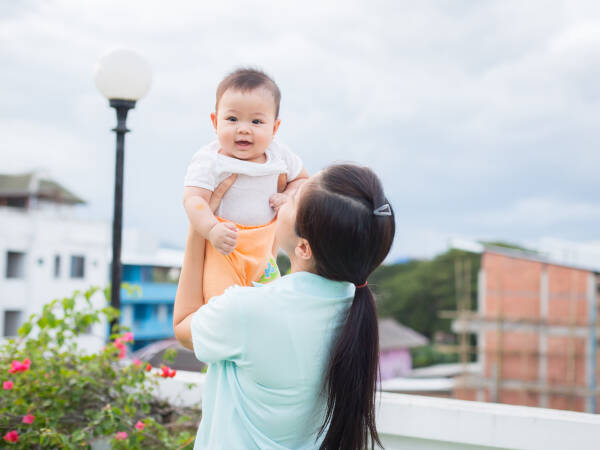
[341, 226]
[336, 215]
[332, 224]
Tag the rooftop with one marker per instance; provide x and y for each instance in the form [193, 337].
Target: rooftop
[566, 254]
[393, 335]
[31, 184]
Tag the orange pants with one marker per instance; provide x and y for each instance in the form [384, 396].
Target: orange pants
[251, 260]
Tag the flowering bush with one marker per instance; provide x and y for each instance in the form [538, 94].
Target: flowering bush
[56, 396]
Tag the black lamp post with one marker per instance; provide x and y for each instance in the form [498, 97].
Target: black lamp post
[123, 77]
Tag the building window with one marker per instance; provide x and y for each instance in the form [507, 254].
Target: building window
[12, 322]
[15, 264]
[56, 266]
[77, 266]
[17, 202]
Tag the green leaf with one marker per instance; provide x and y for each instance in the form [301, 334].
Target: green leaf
[42, 322]
[91, 291]
[25, 329]
[68, 304]
[169, 355]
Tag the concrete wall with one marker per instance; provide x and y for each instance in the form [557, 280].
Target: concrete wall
[426, 423]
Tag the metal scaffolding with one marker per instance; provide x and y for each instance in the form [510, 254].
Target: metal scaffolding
[493, 383]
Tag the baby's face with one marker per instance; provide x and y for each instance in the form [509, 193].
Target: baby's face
[245, 123]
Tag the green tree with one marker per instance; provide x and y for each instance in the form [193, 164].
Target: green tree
[414, 293]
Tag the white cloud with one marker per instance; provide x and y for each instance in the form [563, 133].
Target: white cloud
[536, 212]
[473, 113]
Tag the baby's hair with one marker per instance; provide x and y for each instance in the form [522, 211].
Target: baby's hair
[246, 79]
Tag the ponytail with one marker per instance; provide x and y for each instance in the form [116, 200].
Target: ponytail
[350, 226]
[351, 379]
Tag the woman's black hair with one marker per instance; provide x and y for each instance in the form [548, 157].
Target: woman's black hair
[348, 241]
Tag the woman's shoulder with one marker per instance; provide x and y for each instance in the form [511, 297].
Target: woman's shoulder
[249, 298]
[295, 285]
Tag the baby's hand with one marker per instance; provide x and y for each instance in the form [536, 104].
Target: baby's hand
[223, 237]
[277, 200]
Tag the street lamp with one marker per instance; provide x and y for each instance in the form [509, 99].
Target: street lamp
[123, 77]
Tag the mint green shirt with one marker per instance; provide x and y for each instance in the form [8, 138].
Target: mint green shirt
[267, 348]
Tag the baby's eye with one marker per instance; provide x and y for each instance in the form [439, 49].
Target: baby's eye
[232, 119]
[257, 121]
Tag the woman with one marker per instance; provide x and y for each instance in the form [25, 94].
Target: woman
[293, 364]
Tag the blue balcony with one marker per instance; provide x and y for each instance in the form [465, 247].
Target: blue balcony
[149, 293]
[147, 309]
[151, 330]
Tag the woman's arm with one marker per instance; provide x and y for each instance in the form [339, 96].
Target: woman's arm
[286, 190]
[293, 186]
[189, 292]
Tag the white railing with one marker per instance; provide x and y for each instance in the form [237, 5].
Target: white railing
[427, 423]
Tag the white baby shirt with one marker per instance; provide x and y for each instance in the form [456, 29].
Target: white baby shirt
[247, 200]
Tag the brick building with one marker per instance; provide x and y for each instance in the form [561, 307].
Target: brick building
[537, 330]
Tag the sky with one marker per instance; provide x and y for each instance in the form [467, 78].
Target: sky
[480, 117]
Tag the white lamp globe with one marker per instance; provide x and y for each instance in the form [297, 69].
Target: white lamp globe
[123, 74]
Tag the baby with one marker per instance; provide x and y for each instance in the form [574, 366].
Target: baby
[240, 238]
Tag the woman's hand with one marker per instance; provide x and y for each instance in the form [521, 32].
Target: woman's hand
[277, 200]
[223, 236]
[219, 192]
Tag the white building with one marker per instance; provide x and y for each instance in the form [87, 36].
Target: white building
[45, 253]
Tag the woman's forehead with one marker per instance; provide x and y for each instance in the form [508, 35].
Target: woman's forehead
[312, 181]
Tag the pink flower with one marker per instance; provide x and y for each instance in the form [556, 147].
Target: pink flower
[14, 367]
[7, 385]
[28, 419]
[137, 362]
[128, 337]
[122, 349]
[140, 425]
[121, 436]
[18, 366]
[12, 436]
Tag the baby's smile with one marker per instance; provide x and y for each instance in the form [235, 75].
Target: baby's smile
[243, 143]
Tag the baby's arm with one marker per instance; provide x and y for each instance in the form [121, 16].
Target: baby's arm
[279, 199]
[221, 235]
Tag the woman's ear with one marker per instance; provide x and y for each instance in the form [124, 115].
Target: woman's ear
[303, 251]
